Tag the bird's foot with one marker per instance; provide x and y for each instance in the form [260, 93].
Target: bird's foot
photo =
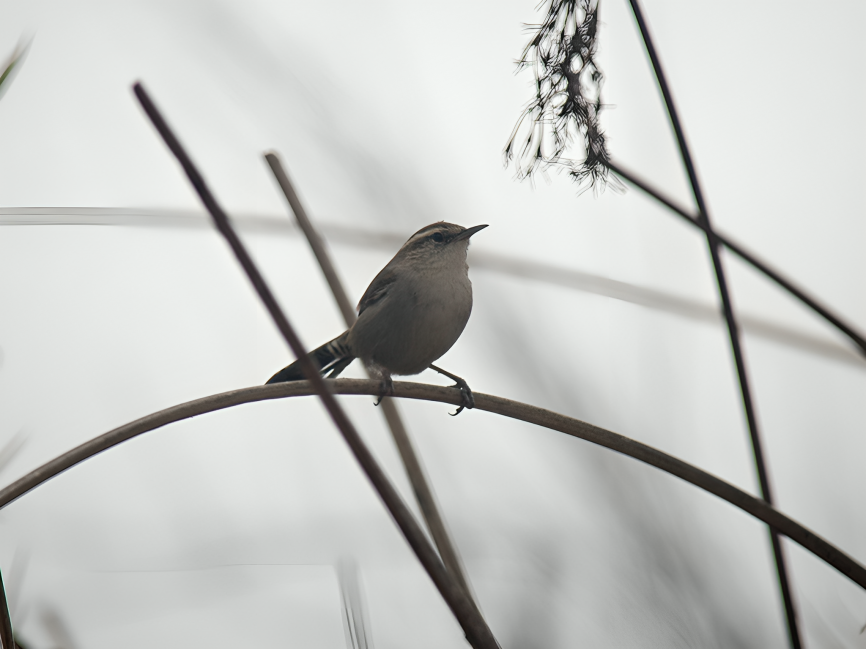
[386, 389]
[466, 397]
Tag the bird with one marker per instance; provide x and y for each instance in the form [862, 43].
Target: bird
[411, 314]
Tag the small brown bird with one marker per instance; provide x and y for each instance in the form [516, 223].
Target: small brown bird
[410, 315]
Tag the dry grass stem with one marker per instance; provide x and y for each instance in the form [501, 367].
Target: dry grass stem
[753, 506]
[420, 485]
[6, 637]
[750, 258]
[464, 609]
[733, 330]
[511, 265]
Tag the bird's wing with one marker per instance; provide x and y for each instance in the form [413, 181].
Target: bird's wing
[378, 289]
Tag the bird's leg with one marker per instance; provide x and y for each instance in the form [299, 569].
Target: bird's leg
[465, 392]
[386, 387]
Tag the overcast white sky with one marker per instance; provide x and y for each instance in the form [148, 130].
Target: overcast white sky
[390, 116]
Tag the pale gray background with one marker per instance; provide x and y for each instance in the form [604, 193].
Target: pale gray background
[390, 115]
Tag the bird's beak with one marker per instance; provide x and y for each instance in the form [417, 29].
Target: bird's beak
[468, 232]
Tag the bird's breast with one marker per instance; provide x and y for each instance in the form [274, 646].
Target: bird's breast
[421, 319]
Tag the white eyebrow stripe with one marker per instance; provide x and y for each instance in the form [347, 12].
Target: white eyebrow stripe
[449, 230]
[428, 229]
[423, 234]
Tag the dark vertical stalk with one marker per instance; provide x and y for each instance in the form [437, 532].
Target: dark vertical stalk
[420, 485]
[477, 632]
[739, 360]
[6, 637]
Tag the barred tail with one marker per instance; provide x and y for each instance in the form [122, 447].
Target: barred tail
[333, 357]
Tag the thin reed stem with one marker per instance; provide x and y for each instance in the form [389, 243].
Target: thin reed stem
[412, 463]
[733, 331]
[467, 614]
[7, 640]
[750, 258]
[756, 507]
[499, 263]
[316, 242]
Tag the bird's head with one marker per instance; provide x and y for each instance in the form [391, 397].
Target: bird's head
[439, 242]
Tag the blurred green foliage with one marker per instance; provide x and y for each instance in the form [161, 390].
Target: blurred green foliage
[11, 67]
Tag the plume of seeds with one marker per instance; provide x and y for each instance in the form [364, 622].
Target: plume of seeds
[567, 99]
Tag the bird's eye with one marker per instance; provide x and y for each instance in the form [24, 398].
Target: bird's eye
[437, 237]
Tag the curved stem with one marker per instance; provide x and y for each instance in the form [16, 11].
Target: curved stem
[753, 506]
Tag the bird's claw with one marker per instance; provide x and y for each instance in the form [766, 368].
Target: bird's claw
[466, 397]
[468, 401]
